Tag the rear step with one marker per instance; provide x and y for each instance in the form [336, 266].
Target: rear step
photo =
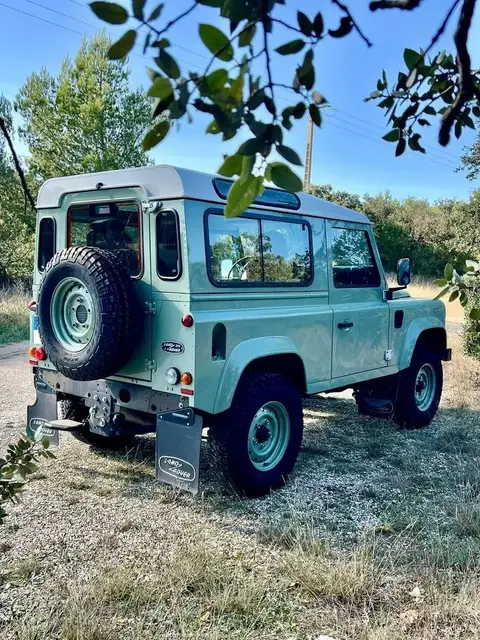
[64, 425]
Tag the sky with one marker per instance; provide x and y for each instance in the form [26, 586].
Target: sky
[348, 151]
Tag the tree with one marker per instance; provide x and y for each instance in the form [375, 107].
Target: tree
[16, 220]
[471, 160]
[236, 98]
[87, 119]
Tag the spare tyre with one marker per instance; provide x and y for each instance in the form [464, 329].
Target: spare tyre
[89, 315]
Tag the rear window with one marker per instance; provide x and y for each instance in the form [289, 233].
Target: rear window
[168, 252]
[46, 242]
[114, 226]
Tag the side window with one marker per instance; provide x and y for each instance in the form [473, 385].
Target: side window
[46, 242]
[353, 260]
[168, 250]
[234, 249]
[286, 252]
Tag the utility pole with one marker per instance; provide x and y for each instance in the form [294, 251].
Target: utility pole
[308, 154]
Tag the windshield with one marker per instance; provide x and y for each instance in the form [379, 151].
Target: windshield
[113, 226]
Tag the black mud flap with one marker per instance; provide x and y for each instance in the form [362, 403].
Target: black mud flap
[44, 410]
[179, 436]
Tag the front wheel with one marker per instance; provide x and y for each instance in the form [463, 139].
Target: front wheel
[259, 437]
[419, 390]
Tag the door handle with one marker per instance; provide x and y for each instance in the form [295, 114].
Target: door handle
[345, 325]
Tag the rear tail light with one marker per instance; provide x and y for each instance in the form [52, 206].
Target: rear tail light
[40, 353]
[32, 352]
[187, 320]
[32, 306]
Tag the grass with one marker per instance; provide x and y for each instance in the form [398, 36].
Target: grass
[376, 537]
[14, 320]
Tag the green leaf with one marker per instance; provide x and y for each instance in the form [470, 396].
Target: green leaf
[430, 111]
[474, 314]
[122, 47]
[306, 27]
[216, 80]
[294, 46]
[232, 166]
[458, 129]
[161, 88]
[211, 3]
[251, 147]
[289, 154]
[392, 136]
[454, 295]
[242, 194]
[401, 146]
[156, 12]
[346, 25]
[441, 293]
[248, 162]
[216, 42]
[318, 98]
[448, 272]
[213, 128]
[424, 123]
[247, 36]
[412, 58]
[156, 134]
[318, 25]
[137, 6]
[412, 77]
[284, 177]
[163, 43]
[109, 12]
[168, 65]
[463, 298]
[315, 114]
[306, 73]
[440, 283]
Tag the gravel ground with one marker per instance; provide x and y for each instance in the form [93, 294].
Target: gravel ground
[89, 512]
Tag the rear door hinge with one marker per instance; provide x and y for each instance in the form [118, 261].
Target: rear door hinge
[150, 308]
[150, 365]
[388, 355]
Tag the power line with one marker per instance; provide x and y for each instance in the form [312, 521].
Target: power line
[357, 133]
[80, 33]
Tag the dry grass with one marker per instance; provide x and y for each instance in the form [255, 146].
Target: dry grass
[14, 320]
[420, 288]
[376, 537]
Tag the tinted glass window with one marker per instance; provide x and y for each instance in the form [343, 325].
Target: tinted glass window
[353, 260]
[234, 249]
[247, 250]
[113, 226]
[271, 197]
[168, 253]
[46, 243]
[286, 251]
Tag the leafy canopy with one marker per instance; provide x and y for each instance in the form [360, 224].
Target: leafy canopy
[86, 119]
[236, 98]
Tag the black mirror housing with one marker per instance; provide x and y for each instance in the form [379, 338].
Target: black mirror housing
[404, 271]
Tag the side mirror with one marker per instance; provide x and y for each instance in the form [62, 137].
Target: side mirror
[404, 272]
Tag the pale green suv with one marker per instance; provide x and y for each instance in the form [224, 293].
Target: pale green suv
[152, 312]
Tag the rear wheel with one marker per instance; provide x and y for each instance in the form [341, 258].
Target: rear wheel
[259, 437]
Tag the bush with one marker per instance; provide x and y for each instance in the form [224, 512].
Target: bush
[471, 327]
[20, 462]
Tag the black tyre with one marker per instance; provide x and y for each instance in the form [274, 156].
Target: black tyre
[258, 439]
[89, 316]
[78, 411]
[419, 390]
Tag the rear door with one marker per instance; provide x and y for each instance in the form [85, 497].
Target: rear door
[360, 315]
[117, 220]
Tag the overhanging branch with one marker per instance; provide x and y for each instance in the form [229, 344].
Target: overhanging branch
[407, 5]
[16, 161]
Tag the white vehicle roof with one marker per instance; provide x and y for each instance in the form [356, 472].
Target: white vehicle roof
[164, 182]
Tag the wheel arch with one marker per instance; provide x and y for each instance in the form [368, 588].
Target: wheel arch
[275, 354]
[419, 335]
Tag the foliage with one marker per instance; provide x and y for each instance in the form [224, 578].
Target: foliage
[16, 220]
[466, 288]
[19, 463]
[86, 119]
[237, 100]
